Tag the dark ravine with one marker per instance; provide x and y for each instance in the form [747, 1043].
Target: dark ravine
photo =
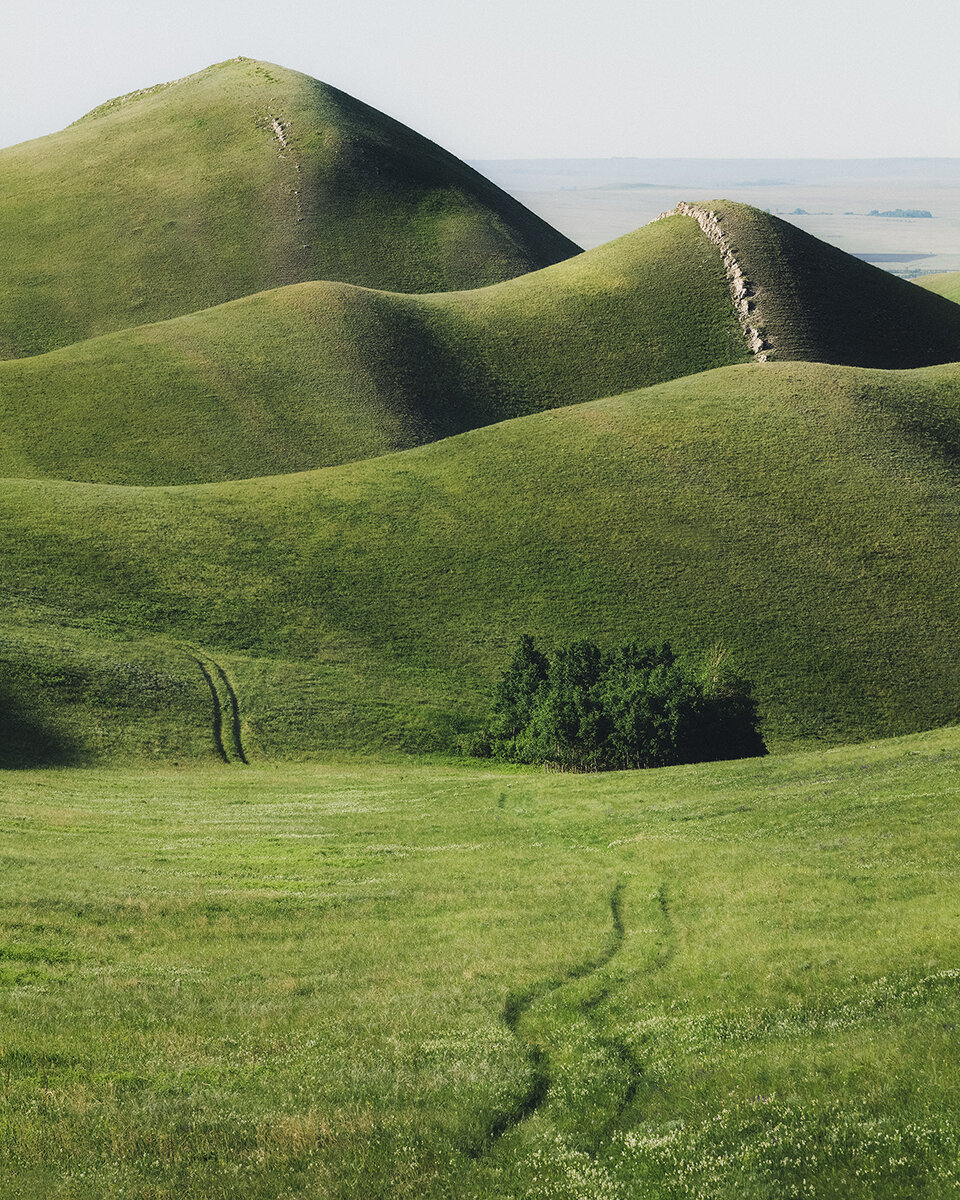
[514, 1008]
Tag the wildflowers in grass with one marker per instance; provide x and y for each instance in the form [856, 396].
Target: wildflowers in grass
[293, 983]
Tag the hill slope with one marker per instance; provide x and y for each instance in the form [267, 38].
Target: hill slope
[815, 303]
[243, 177]
[947, 285]
[321, 373]
[806, 515]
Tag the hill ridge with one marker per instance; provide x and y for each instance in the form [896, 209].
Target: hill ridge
[820, 304]
[106, 107]
[320, 372]
[742, 290]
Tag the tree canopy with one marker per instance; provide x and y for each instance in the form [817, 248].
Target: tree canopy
[586, 708]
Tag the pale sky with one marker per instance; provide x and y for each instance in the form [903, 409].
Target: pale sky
[531, 78]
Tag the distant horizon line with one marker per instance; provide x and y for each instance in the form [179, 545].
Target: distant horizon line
[951, 158]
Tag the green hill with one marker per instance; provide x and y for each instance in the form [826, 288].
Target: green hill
[243, 177]
[321, 373]
[947, 285]
[803, 514]
[815, 303]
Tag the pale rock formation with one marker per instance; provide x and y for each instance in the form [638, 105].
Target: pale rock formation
[742, 291]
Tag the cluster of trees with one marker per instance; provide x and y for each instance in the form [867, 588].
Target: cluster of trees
[585, 708]
[900, 212]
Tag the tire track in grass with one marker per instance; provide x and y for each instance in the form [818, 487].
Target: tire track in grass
[538, 1061]
[217, 711]
[205, 662]
[234, 713]
[631, 1061]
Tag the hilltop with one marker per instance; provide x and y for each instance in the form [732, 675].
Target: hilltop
[243, 177]
[321, 373]
[815, 303]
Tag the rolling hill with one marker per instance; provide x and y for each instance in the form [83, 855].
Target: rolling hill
[815, 303]
[806, 515]
[303, 494]
[322, 373]
[243, 177]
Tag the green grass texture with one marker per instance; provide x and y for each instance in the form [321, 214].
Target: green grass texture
[804, 515]
[182, 196]
[947, 285]
[321, 373]
[410, 983]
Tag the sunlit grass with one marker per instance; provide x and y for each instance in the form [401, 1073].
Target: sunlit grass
[293, 982]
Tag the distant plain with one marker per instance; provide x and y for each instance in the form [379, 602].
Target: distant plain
[595, 202]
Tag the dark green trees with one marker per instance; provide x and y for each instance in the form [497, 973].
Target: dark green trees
[636, 706]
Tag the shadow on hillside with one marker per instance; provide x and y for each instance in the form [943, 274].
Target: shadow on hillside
[26, 740]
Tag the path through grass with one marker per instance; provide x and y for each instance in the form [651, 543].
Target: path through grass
[336, 980]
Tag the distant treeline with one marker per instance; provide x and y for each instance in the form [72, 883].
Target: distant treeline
[900, 212]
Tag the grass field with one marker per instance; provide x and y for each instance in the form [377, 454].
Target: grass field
[427, 981]
[242, 177]
[947, 285]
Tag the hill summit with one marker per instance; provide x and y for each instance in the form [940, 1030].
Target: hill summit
[799, 299]
[242, 177]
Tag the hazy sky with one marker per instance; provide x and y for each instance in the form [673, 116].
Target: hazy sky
[533, 78]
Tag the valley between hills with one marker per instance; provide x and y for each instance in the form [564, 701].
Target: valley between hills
[303, 423]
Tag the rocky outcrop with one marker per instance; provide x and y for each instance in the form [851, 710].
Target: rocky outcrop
[742, 290]
[278, 131]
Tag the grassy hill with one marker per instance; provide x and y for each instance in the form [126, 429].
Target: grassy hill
[818, 304]
[805, 515]
[321, 373]
[947, 285]
[407, 983]
[243, 177]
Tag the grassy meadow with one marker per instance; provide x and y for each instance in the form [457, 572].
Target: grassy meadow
[424, 980]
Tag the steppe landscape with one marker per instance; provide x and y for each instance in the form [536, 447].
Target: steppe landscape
[304, 423]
